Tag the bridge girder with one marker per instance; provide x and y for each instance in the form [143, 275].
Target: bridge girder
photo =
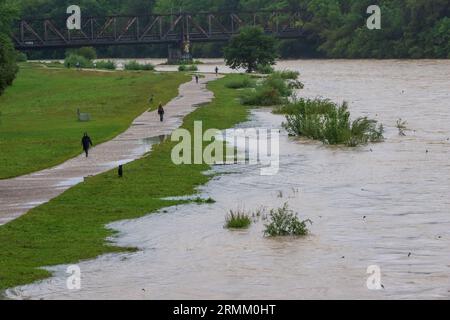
[152, 29]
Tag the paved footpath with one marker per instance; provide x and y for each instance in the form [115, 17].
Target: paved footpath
[18, 195]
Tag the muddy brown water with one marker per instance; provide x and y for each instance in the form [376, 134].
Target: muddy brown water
[401, 189]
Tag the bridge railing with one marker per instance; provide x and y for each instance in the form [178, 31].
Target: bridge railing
[168, 28]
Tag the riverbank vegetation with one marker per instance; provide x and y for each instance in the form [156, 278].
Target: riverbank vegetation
[238, 219]
[39, 127]
[275, 89]
[72, 226]
[326, 121]
[8, 55]
[285, 222]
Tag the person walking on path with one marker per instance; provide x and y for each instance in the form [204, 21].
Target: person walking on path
[217, 71]
[161, 112]
[196, 78]
[86, 142]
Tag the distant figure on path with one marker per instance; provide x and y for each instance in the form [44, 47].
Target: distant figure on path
[196, 78]
[217, 71]
[86, 142]
[161, 112]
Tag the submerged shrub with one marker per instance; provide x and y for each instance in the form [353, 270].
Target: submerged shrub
[135, 66]
[285, 222]
[237, 220]
[324, 120]
[288, 74]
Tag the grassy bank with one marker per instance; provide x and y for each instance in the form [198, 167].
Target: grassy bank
[38, 114]
[72, 226]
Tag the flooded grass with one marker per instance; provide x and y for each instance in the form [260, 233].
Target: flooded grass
[326, 121]
[401, 126]
[238, 219]
[285, 222]
[72, 227]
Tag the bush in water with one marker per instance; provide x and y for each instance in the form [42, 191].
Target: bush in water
[328, 122]
[285, 222]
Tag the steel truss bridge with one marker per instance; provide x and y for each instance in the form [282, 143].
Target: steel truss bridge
[152, 29]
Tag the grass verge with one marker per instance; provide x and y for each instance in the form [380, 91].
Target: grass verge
[71, 227]
[38, 114]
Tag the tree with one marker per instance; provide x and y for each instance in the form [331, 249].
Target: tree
[8, 67]
[250, 48]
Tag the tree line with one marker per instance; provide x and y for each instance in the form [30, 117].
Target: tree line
[334, 28]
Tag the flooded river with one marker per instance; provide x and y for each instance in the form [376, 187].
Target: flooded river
[384, 204]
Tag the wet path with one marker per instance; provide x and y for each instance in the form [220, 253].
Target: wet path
[18, 195]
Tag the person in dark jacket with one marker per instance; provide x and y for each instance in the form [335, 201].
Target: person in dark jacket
[217, 71]
[86, 142]
[161, 112]
[196, 78]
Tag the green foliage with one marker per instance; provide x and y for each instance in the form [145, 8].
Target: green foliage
[274, 90]
[330, 123]
[285, 222]
[21, 57]
[8, 67]
[264, 69]
[185, 67]
[88, 53]
[237, 220]
[134, 66]
[250, 48]
[107, 65]
[241, 83]
[74, 61]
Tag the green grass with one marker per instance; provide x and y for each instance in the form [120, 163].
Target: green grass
[38, 114]
[71, 227]
[237, 220]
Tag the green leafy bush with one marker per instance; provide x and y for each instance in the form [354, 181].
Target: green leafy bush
[134, 66]
[87, 52]
[73, 60]
[8, 66]
[240, 83]
[107, 65]
[285, 222]
[265, 69]
[288, 74]
[274, 90]
[185, 67]
[324, 120]
[237, 220]
[21, 57]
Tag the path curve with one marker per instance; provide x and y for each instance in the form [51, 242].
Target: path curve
[18, 195]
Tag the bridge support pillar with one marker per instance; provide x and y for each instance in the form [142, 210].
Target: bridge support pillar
[179, 53]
